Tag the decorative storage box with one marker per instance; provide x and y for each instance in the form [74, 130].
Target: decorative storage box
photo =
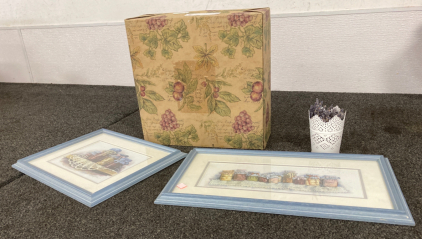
[203, 78]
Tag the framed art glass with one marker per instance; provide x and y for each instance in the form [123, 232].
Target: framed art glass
[336, 186]
[96, 166]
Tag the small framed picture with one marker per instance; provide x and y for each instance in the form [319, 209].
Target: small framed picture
[96, 166]
[335, 186]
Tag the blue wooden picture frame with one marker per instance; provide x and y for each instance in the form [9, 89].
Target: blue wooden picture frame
[82, 195]
[399, 215]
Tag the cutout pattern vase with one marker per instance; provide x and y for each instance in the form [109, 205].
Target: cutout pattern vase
[326, 136]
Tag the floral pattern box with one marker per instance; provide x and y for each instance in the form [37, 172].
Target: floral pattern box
[203, 78]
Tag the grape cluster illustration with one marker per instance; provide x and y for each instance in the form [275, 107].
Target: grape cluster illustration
[239, 19]
[204, 83]
[243, 123]
[257, 89]
[178, 88]
[168, 121]
[324, 112]
[216, 90]
[156, 23]
[142, 91]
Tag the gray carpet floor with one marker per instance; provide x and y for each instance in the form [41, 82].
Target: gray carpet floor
[36, 117]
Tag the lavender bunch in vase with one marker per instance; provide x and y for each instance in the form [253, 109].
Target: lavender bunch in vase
[326, 127]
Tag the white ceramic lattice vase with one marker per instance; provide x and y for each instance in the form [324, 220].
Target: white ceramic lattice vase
[326, 136]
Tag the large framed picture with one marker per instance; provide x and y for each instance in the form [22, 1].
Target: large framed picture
[96, 166]
[336, 186]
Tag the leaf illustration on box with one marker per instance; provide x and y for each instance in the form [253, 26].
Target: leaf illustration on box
[256, 89]
[183, 88]
[259, 75]
[234, 141]
[152, 72]
[136, 62]
[250, 35]
[129, 36]
[205, 58]
[250, 141]
[213, 93]
[142, 93]
[173, 133]
[202, 25]
[167, 37]
[243, 138]
[233, 72]
[209, 127]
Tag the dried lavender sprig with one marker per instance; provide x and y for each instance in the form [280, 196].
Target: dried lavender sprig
[325, 113]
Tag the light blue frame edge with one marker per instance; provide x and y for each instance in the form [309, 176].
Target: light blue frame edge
[88, 198]
[399, 215]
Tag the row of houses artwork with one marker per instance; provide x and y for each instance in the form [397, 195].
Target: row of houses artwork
[280, 177]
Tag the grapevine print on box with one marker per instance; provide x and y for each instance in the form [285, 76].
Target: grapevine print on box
[337, 182]
[183, 88]
[204, 69]
[99, 161]
[161, 34]
[201, 24]
[243, 137]
[249, 36]
[255, 90]
[136, 62]
[134, 58]
[143, 94]
[152, 73]
[214, 97]
[172, 134]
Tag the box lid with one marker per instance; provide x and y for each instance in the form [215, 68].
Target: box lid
[201, 13]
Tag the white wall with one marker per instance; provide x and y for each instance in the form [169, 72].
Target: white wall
[51, 12]
[374, 50]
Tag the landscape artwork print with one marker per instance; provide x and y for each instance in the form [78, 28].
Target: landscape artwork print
[99, 161]
[336, 182]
